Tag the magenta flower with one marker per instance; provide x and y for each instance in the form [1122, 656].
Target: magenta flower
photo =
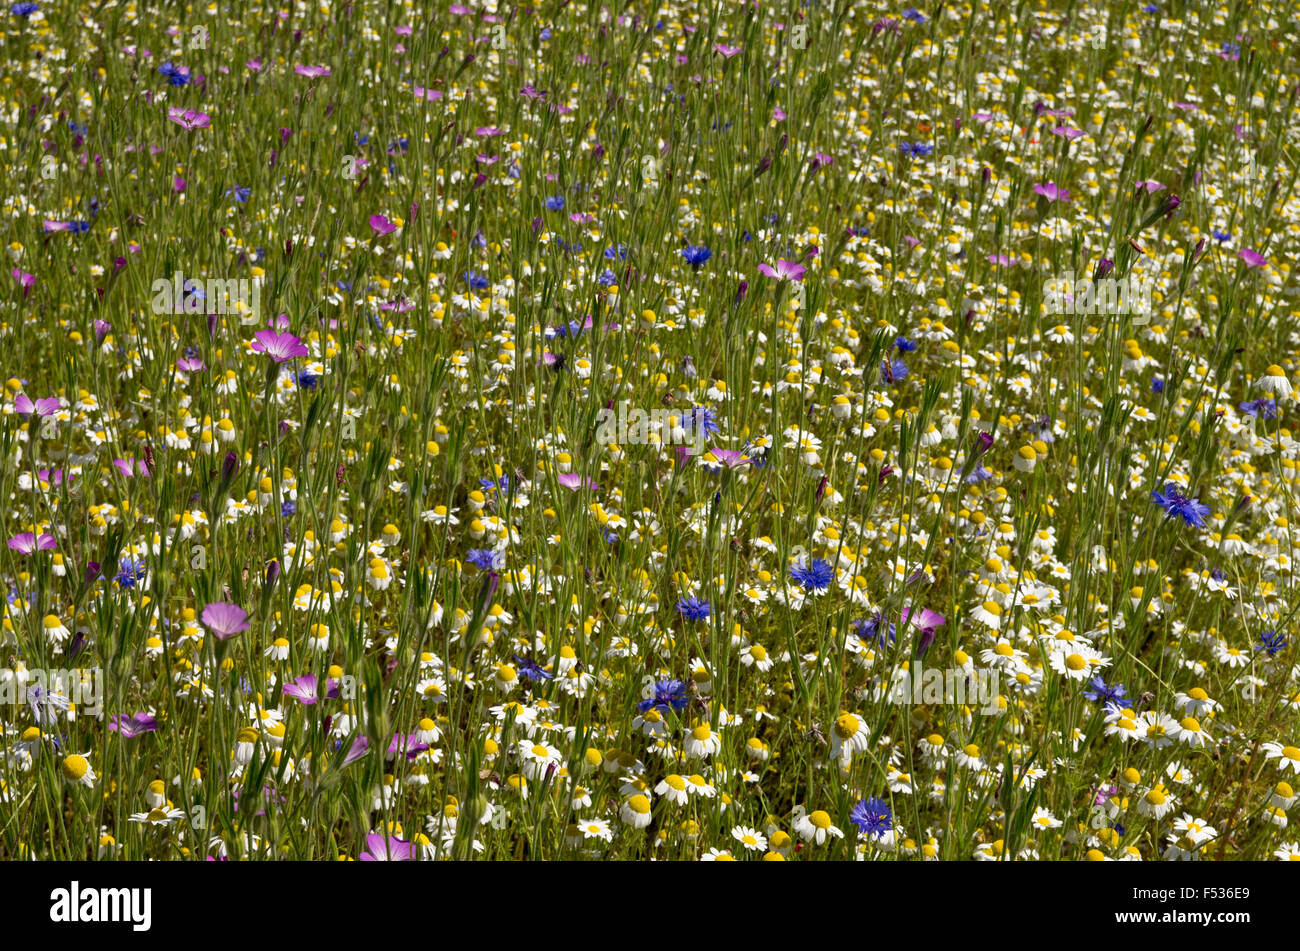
[927, 622]
[188, 119]
[134, 725]
[429, 94]
[784, 270]
[44, 407]
[382, 225]
[131, 466]
[360, 746]
[280, 347]
[488, 131]
[1067, 132]
[1052, 192]
[25, 281]
[312, 72]
[574, 482]
[723, 458]
[1252, 258]
[224, 620]
[387, 848]
[190, 364]
[27, 542]
[726, 51]
[303, 689]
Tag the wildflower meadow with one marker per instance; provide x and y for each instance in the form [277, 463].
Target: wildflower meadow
[687, 431]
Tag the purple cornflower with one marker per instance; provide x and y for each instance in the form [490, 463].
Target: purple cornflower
[693, 608]
[1272, 642]
[669, 695]
[816, 576]
[531, 670]
[873, 817]
[1099, 692]
[1175, 504]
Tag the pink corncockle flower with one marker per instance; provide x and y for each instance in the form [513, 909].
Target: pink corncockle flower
[303, 689]
[1052, 192]
[1067, 132]
[25, 281]
[132, 466]
[1151, 187]
[726, 51]
[382, 225]
[28, 542]
[784, 270]
[387, 848]
[488, 131]
[927, 622]
[778, 114]
[53, 477]
[255, 65]
[134, 725]
[312, 72]
[359, 748]
[224, 620]
[429, 94]
[529, 92]
[1001, 260]
[279, 347]
[43, 407]
[573, 481]
[460, 10]
[1252, 258]
[402, 30]
[982, 116]
[911, 241]
[723, 459]
[190, 364]
[188, 119]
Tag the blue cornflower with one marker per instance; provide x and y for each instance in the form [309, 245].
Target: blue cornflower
[693, 608]
[176, 75]
[77, 128]
[23, 9]
[1174, 503]
[816, 576]
[1151, 8]
[306, 380]
[129, 572]
[669, 695]
[545, 34]
[701, 417]
[916, 16]
[483, 558]
[555, 203]
[894, 371]
[607, 278]
[476, 281]
[916, 149]
[240, 192]
[287, 509]
[489, 484]
[1157, 385]
[616, 251]
[1220, 236]
[904, 345]
[873, 817]
[1272, 642]
[531, 670]
[1099, 692]
[361, 139]
[1264, 406]
[696, 257]
[979, 474]
[878, 628]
